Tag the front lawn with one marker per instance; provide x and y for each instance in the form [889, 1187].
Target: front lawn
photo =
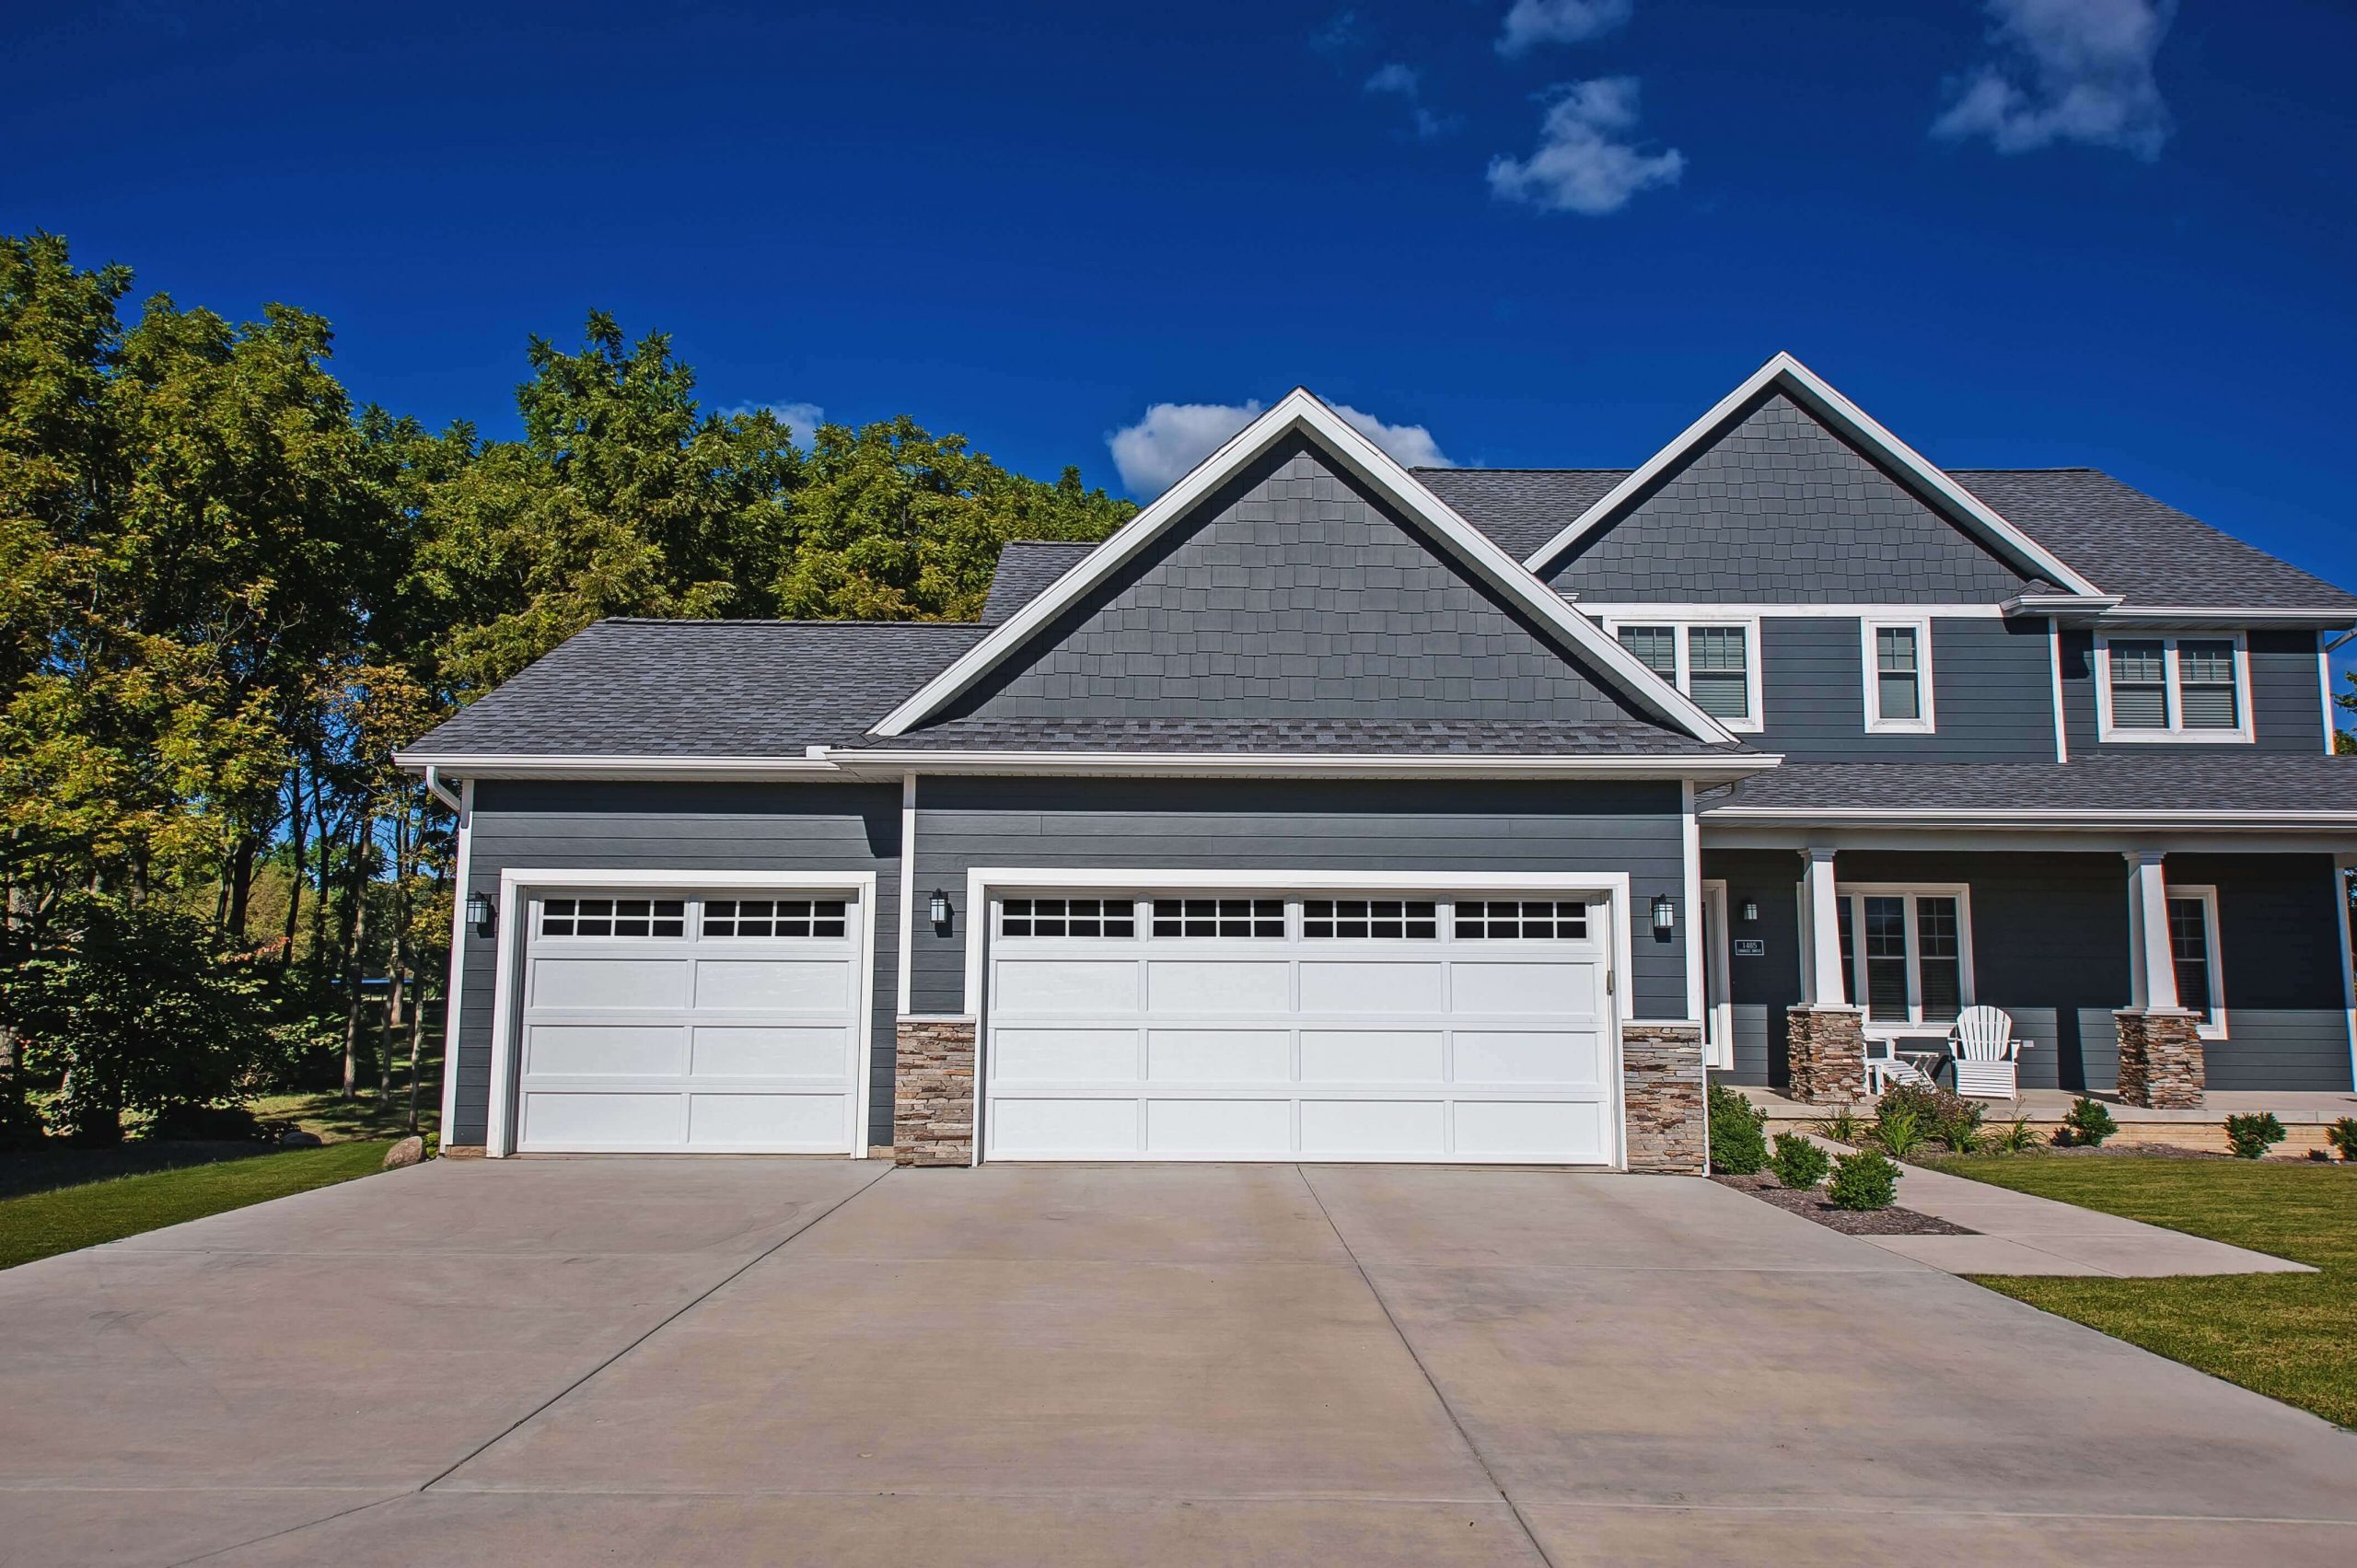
[42, 1224]
[2292, 1337]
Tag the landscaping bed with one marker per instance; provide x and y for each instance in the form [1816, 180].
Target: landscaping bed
[1810, 1205]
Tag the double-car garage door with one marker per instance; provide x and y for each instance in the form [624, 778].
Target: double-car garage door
[1150, 1026]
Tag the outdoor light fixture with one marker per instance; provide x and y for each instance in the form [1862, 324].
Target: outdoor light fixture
[1750, 911]
[479, 913]
[1665, 914]
[939, 909]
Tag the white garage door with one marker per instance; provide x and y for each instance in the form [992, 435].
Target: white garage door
[1298, 1027]
[672, 1022]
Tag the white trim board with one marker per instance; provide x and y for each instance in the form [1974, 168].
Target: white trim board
[1717, 766]
[451, 1010]
[517, 883]
[2245, 733]
[1926, 720]
[1804, 387]
[1300, 412]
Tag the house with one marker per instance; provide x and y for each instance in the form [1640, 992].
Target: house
[1332, 810]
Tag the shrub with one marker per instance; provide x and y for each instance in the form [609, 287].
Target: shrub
[2013, 1138]
[1843, 1125]
[2088, 1122]
[1900, 1133]
[20, 1123]
[211, 1124]
[2252, 1134]
[1798, 1163]
[1950, 1118]
[1863, 1181]
[1738, 1138]
[138, 1008]
[2342, 1135]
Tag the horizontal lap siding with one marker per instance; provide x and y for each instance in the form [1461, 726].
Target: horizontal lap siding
[2286, 697]
[2279, 935]
[1991, 693]
[687, 829]
[1231, 825]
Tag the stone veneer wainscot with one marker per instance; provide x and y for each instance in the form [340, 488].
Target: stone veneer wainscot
[2161, 1064]
[1826, 1054]
[933, 1092]
[1661, 1080]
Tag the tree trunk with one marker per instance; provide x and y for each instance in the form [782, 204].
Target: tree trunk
[296, 821]
[241, 887]
[322, 844]
[356, 932]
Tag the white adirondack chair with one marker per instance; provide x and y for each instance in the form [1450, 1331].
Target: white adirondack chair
[1885, 1067]
[1986, 1053]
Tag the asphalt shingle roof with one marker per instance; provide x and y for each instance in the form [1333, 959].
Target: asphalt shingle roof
[704, 689]
[1503, 738]
[2119, 537]
[2106, 781]
[1026, 568]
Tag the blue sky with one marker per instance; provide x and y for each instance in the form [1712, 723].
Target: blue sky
[2027, 232]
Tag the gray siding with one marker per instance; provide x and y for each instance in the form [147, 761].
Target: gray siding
[1293, 594]
[684, 828]
[2049, 943]
[1779, 509]
[1299, 825]
[1993, 693]
[2286, 700]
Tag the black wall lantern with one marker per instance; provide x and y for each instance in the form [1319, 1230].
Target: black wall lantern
[939, 909]
[479, 915]
[1664, 915]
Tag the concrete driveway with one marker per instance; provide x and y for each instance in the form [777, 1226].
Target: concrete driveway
[736, 1361]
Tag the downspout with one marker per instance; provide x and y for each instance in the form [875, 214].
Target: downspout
[441, 791]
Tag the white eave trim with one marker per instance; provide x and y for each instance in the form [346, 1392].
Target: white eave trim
[2163, 616]
[1266, 764]
[1301, 410]
[533, 765]
[1811, 389]
[2029, 819]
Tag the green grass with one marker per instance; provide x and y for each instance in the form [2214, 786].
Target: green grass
[2292, 1337]
[41, 1224]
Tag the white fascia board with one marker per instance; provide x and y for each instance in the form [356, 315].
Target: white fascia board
[1822, 399]
[1299, 410]
[2073, 607]
[2159, 617]
[537, 766]
[1718, 768]
[2033, 818]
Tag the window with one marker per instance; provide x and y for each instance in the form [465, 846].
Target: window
[1913, 966]
[1068, 917]
[1520, 919]
[1219, 917]
[613, 917]
[2193, 947]
[1369, 917]
[1899, 677]
[2174, 689]
[1717, 665]
[773, 917]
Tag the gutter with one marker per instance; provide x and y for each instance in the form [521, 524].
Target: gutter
[2110, 609]
[2044, 820]
[539, 765]
[882, 760]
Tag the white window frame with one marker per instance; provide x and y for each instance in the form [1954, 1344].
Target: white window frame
[1853, 895]
[2177, 734]
[1871, 673]
[2215, 1028]
[1682, 628]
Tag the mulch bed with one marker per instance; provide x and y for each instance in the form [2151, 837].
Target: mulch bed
[2146, 1151]
[1811, 1205]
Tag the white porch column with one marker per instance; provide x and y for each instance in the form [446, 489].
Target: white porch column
[1827, 985]
[2152, 966]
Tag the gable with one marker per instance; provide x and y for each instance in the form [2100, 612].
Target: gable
[1777, 507]
[1294, 591]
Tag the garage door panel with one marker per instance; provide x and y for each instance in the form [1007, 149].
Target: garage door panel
[1371, 986]
[1534, 987]
[753, 1050]
[1373, 1056]
[1231, 1127]
[773, 985]
[570, 1119]
[1069, 985]
[1529, 1056]
[1078, 1055]
[1105, 1127]
[638, 984]
[1219, 1056]
[812, 1121]
[1206, 986]
[585, 1051]
[1373, 1129]
[1531, 1130]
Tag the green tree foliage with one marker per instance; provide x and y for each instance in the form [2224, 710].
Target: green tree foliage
[226, 595]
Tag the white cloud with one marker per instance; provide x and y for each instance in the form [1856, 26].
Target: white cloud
[2067, 71]
[1409, 86]
[1533, 22]
[1579, 166]
[1159, 449]
[802, 419]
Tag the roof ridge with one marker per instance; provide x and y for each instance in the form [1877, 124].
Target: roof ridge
[760, 621]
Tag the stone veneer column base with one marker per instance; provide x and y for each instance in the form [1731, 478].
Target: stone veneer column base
[2161, 1064]
[1661, 1091]
[1826, 1054]
[933, 1092]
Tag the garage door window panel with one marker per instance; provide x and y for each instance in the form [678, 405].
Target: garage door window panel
[1255, 919]
[1109, 918]
[613, 917]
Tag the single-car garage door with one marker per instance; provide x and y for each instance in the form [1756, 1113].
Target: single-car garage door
[1261, 1027]
[720, 1023]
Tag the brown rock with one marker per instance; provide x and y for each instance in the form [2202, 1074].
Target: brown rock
[409, 1151]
